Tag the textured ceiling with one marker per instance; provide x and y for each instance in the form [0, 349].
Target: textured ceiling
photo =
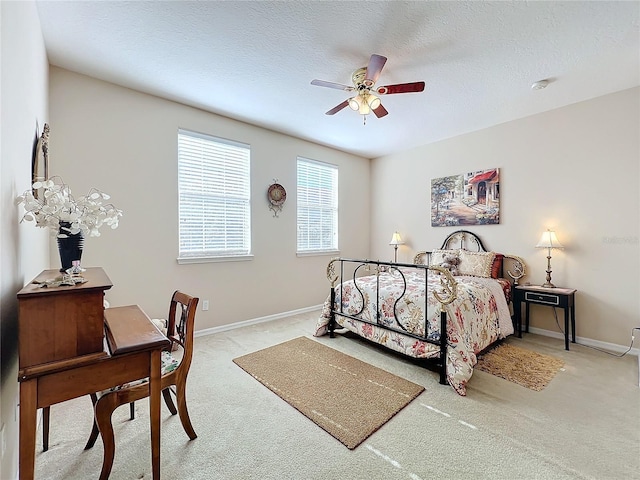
[254, 61]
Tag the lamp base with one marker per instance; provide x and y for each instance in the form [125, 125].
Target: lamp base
[547, 283]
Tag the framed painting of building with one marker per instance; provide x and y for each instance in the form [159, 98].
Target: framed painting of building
[471, 198]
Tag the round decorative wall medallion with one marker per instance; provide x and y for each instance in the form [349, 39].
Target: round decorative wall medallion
[277, 196]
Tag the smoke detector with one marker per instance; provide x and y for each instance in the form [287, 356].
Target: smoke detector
[539, 85]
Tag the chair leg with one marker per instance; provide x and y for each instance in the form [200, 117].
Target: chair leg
[94, 430]
[45, 428]
[104, 409]
[182, 410]
[166, 393]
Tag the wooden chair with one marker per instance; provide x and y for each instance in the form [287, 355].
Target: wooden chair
[180, 325]
[46, 411]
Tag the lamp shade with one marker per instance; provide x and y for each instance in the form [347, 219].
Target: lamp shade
[549, 240]
[373, 101]
[364, 108]
[396, 239]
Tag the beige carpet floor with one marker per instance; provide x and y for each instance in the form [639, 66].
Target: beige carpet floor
[584, 425]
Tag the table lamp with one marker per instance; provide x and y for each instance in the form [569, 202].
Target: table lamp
[549, 240]
[396, 240]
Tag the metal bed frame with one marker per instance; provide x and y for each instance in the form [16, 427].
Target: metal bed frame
[447, 291]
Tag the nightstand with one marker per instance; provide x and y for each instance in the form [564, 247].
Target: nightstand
[551, 297]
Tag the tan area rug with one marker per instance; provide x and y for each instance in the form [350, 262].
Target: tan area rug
[519, 365]
[347, 397]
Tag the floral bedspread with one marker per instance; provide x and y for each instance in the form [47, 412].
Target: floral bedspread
[476, 318]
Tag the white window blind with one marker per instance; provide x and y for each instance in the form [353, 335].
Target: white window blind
[214, 196]
[317, 206]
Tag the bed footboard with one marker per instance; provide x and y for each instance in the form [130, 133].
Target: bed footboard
[384, 305]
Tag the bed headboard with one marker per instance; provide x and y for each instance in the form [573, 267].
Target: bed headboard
[513, 265]
[463, 239]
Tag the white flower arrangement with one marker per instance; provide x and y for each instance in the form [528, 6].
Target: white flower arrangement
[53, 206]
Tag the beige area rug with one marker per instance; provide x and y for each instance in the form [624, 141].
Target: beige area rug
[519, 365]
[347, 397]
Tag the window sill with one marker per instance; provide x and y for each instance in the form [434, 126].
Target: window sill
[235, 258]
[316, 253]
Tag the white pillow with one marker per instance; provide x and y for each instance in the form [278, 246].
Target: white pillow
[477, 264]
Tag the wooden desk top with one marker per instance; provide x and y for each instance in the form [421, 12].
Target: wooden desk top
[129, 329]
[96, 277]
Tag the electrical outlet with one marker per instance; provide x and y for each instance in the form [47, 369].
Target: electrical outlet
[205, 305]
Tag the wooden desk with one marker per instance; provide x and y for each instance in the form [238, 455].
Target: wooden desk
[69, 369]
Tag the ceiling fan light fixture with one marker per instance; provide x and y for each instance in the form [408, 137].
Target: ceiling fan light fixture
[364, 108]
[373, 101]
[365, 99]
[361, 104]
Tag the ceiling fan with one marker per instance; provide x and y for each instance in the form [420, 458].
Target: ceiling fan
[366, 99]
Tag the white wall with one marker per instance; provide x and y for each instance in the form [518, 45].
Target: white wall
[23, 248]
[574, 169]
[125, 143]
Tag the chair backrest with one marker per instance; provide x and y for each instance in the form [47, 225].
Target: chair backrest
[180, 325]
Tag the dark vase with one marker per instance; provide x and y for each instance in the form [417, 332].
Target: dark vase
[70, 248]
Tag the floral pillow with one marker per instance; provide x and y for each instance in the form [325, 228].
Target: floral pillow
[477, 264]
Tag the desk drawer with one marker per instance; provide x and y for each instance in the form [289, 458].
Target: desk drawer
[544, 298]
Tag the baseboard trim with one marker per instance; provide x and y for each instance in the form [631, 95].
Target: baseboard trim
[612, 347]
[254, 321]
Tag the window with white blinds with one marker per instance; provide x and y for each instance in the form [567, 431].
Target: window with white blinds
[214, 197]
[317, 206]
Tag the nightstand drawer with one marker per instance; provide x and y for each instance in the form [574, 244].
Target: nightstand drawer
[545, 298]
